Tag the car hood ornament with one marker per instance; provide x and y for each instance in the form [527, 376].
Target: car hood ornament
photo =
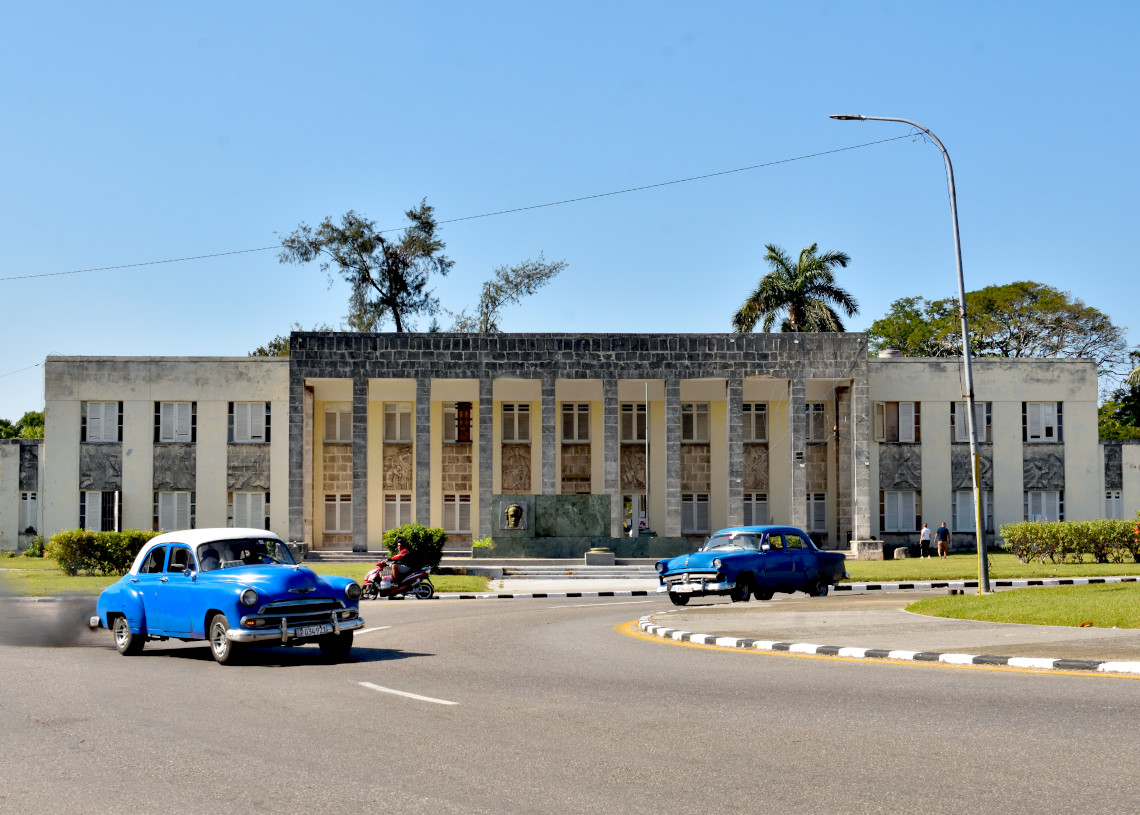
[302, 590]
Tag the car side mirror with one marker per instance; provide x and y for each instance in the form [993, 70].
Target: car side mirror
[764, 547]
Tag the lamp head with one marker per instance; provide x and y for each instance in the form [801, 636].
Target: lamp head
[848, 117]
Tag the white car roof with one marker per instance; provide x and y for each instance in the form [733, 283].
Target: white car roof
[194, 537]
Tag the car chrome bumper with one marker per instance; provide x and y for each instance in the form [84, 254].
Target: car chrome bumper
[285, 632]
[94, 622]
[696, 588]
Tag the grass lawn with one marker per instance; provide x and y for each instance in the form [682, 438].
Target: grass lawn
[21, 562]
[48, 581]
[965, 567]
[1106, 605]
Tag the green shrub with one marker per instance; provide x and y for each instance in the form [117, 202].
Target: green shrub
[36, 547]
[1104, 541]
[425, 545]
[77, 550]
[483, 543]
[71, 549]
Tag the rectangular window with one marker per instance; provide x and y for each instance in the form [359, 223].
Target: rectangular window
[899, 511]
[101, 422]
[173, 511]
[1040, 422]
[338, 513]
[28, 513]
[249, 422]
[175, 423]
[100, 510]
[756, 422]
[1113, 505]
[816, 424]
[695, 422]
[897, 422]
[755, 508]
[397, 510]
[457, 514]
[962, 511]
[249, 510]
[338, 423]
[960, 427]
[1044, 505]
[575, 422]
[516, 422]
[397, 422]
[695, 513]
[457, 422]
[632, 422]
[817, 511]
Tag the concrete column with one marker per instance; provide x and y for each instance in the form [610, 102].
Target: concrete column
[549, 438]
[611, 454]
[797, 432]
[486, 455]
[297, 463]
[673, 458]
[864, 502]
[734, 421]
[844, 438]
[422, 498]
[360, 463]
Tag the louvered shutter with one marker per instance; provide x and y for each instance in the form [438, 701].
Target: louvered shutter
[94, 421]
[257, 510]
[702, 513]
[182, 422]
[524, 423]
[819, 513]
[961, 428]
[464, 513]
[880, 421]
[907, 512]
[966, 520]
[1034, 420]
[93, 504]
[166, 511]
[242, 421]
[166, 422]
[257, 422]
[1049, 420]
[241, 510]
[891, 521]
[1052, 501]
[980, 420]
[906, 421]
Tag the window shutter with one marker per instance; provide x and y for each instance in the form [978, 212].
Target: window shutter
[1034, 418]
[906, 421]
[961, 429]
[257, 422]
[257, 510]
[980, 420]
[819, 513]
[241, 510]
[242, 412]
[94, 421]
[907, 513]
[166, 426]
[93, 501]
[1049, 420]
[687, 427]
[524, 423]
[182, 422]
[583, 422]
[880, 422]
[748, 499]
[166, 511]
[464, 506]
[627, 425]
[891, 499]
[1052, 501]
[965, 507]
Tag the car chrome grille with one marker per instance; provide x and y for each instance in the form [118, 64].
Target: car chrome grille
[309, 605]
[694, 577]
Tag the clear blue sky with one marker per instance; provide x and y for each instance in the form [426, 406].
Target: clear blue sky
[138, 132]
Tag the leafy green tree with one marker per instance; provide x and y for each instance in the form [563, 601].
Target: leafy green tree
[28, 426]
[804, 293]
[1119, 416]
[388, 279]
[509, 285]
[1020, 319]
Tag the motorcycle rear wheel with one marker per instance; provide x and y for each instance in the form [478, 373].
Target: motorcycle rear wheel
[423, 591]
[369, 591]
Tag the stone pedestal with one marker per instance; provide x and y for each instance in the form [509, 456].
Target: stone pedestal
[600, 557]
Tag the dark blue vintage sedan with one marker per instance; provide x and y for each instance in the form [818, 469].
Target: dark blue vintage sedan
[747, 561]
[231, 587]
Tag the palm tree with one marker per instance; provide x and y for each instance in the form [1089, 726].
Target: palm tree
[804, 293]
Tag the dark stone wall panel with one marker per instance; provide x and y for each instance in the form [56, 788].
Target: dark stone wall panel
[247, 467]
[175, 467]
[1043, 466]
[900, 467]
[962, 472]
[100, 466]
[30, 463]
[1113, 465]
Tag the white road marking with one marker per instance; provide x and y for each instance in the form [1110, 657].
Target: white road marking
[370, 630]
[592, 605]
[406, 694]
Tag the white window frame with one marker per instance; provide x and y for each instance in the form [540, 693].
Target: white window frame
[983, 417]
[1047, 503]
[175, 510]
[907, 413]
[755, 422]
[815, 422]
[695, 422]
[96, 416]
[962, 511]
[450, 422]
[634, 423]
[176, 423]
[338, 513]
[398, 427]
[695, 513]
[339, 430]
[817, 512]
[1114, 505]
[756, 509]
[250, 422]
[457, 513]
[249, 509]
[900, 510]
[1042, 423]
[29, 511]
[576, 422]
[397, 509]
[515, 422]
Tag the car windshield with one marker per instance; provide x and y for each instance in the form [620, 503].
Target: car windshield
[230, 554]
[740, 540]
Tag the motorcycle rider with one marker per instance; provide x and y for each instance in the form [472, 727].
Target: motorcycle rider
[400, 569]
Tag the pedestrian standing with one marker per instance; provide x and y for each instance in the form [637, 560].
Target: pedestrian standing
[942, 536]
[924, 541]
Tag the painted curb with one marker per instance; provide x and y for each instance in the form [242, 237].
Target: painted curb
[1092, 666]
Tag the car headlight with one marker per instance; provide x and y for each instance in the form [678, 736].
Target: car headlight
[352, 591]
[660, 567]
[249, 597]
[716, 563]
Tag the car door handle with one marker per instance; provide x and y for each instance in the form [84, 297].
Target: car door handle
[134, 580]
[164, 580]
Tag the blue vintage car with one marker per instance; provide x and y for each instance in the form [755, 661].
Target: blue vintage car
[746, 561]
[231, 587]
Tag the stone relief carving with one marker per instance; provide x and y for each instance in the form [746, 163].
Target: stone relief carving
[248, 467]
[398, 467]
[900, 467]
[175, 466]
[516, 468]
[632, 468]
[29, 466]
[755, 467]
[1043, 466]
[1113, 466]
[962, 471]
[101, 466]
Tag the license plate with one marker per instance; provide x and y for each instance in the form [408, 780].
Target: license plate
[313, 630]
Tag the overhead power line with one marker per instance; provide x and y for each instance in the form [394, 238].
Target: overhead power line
[579, 199]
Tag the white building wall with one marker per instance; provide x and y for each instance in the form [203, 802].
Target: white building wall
[9, 496]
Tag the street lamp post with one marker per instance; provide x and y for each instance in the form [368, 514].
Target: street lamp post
[979, 518]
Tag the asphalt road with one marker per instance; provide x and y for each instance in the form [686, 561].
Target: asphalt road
[555, 708]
